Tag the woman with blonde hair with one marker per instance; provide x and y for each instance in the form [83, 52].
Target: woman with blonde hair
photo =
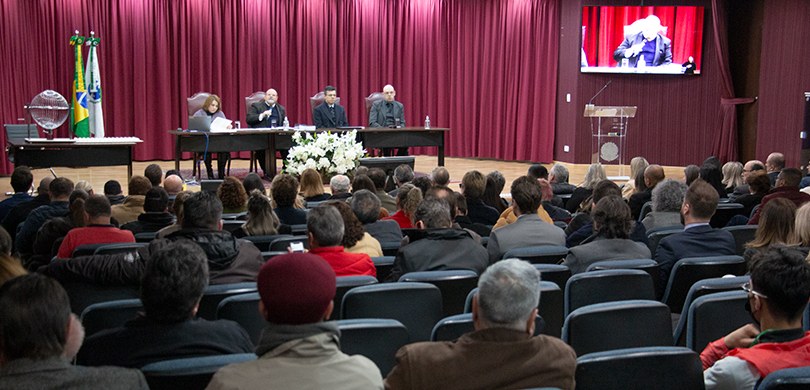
[595, 174]
[637, 164]
[408, 199]
[261, 220]
[802, 228]
[10, 267]
[311, 186]
[212, 108]
[732, 175]
[776, 227]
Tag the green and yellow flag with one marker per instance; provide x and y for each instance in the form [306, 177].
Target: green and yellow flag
[79, 114]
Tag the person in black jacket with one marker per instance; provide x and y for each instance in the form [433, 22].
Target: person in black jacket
[156, 214]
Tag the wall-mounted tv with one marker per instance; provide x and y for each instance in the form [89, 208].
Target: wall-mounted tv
[659, 40]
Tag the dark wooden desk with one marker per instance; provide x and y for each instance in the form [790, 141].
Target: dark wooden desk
[271, 140]
[81, 152]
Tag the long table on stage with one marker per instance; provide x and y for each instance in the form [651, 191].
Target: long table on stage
[271, 140]
[74, 153]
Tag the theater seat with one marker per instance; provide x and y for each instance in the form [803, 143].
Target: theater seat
[244, 310]
[714, 316]
[660, 368]
[376, 339]
[214, 294]
[109, 315]
[453, 327]
[555, 273]
[189, 373]
[550, 307]
[699, 289]
[787, 379]
[688, 271]
[346, 283]
[453, 284]
[588, 288]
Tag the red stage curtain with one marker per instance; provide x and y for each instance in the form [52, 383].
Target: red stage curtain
[604, 31]
[486, 69]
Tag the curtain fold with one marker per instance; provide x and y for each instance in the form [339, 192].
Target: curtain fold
[486, 69]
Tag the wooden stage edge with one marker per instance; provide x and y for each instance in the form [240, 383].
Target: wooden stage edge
[97, 176]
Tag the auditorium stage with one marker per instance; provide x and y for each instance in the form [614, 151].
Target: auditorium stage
[97, 176]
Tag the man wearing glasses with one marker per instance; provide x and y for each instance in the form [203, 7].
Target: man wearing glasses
[777, 296]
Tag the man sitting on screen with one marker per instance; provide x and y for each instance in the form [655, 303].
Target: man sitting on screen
[649, 44]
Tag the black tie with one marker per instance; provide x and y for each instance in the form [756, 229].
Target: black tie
[332, 111]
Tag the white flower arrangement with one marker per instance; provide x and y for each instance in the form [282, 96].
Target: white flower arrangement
[328, 153]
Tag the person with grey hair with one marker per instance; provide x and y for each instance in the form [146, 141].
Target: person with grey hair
[442, 246]
[366, 206]
[340, 185]
[440, 176]
[325, 231]
[667, 198]
[558, 177]
[502, 352]
[403, 173]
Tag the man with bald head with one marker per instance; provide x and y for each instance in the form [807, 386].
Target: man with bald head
[743, 189]
[173, 184]
[388, 113]
[774, 164]
[653, 175]
[267, 113]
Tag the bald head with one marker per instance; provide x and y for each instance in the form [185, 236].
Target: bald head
[389, 93]
[653, 175]
[775, 162]
[751, 166]
[271, 96]
[173, 184]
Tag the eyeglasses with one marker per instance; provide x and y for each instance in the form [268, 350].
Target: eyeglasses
[747, 288]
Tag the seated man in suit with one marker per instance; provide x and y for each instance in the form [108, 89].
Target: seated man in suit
[529, 229]
[697, 238]
[653, 175]
[329, 114]
[777, 296]
[299, 348]
[39, 336]
[388, 113]
[502, 352]
[173, 283]
[648, 44]
[787, 187]
[442, 248]
[267, 113]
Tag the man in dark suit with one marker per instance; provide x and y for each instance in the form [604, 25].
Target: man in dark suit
[267, 113]
[774, 164]
[654, 48]
[388, 113]
[697, 238]
[329, 114]
[653, 175]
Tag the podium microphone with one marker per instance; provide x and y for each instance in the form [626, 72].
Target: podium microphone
[590, 102]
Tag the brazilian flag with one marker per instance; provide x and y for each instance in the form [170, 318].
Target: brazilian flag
[79, 115]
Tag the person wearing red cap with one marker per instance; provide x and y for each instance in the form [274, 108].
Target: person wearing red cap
[325, 229]
[298, 348]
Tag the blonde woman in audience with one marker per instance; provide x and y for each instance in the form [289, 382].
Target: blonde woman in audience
[232, 195]
[595, 174]
[732, 175]
[261, 220]
[10, 267]
[355, 237]
[311, 188]
[802, 228]
[637, 164]
[776, 227]
[408, 200]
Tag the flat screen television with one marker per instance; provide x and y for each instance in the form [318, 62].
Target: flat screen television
[642, 40]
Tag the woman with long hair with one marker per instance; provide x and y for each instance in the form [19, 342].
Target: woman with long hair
[408, 199]
[212, 108]
[595, 174]
[261, 220]
[311, 187]
[776, 227]
[492, 192]
[10, 266]
[355, 237]
[637, 164]
[732, 175]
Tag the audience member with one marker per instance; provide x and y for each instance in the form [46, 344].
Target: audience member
[85, 186]
[132, 206]
[653, 175]
[732, 176]
[98, 229]
[758, 184]
[232, 195]
[787, 186]
[39, 336]
[422, 183]
[154, 173]
[537, 171]
[690, 174]
[712, 174]
[339, 186]
[156, 214]
[312, 186]
[442, 247]
[378, 177]
[10, 267]
[408, 200]
[19, 213]
[440, 176]
[776, 227]
[284, 190]
[595, 174]
[458, 210]
[528, 229]
[112, 190]
[777, 296]
[366, 206]
[261, 220]
[59, 190]
[173, 283]
[48, 237]
[774, 164]
[667, 198]
[492, 191]
[362, 182]
[751, 166]
[173, 184]
[802, 227]
[355, 238]
[21, 181]
[558, 177]
[177, 210]
[403, 173]
[325, 230]
[253, 182]
[502, 352]
[581, 226]
[637, 164]
[697, 238]
[230, 260]
[472, 186]
[611, 240]
[298, 348]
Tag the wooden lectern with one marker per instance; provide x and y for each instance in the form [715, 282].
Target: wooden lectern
[608, 131]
